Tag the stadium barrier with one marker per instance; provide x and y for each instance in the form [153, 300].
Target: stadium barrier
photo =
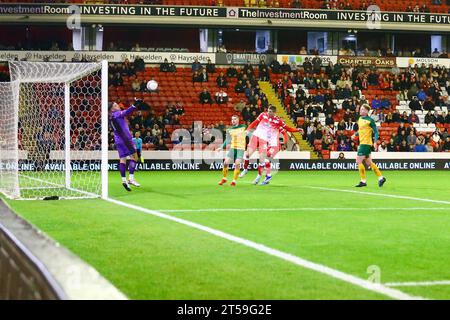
[34, 267]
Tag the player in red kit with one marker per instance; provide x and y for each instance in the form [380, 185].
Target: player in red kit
[266, 140]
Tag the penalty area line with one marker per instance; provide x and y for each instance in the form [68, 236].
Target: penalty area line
[365, 284]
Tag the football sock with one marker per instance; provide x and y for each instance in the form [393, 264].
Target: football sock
[131, 167]
[362, 172]
[260, 169]
[267, 168]
[225, 171]
[122, 169]
[375, 169]
[246, 162]
[236, 173]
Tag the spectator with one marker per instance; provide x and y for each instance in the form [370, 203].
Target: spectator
[136, 85]
[404, 147]
[204, 75]
[343, 146]
[341, 156]
[196, 66]
[139, 64]
[420, 147]
[413, 118]
[160, 145]
[429, 147]
[210, 67]
[275, 66]
[429, 118]
[376, 103]
[391, 147]
[231, 72]
[240, 106]
[221, 81]
[205, 97]
[382, 147]
[221, 97]
[414, 104]
[164, 67]
[446, 145]
[117, 80]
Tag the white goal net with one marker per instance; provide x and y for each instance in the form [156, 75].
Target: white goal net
[53, 124]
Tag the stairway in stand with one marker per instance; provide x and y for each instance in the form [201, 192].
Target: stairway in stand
[266, 87]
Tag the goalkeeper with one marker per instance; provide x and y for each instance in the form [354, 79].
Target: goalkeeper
[124, 142]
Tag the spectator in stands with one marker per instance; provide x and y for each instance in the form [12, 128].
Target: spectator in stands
[376, 103]
[178, 109]
[296, 4]
[414, 104]
[343, 146]
[411, 139]
[205, 97]
[222, 49]
[382, 147]
[136, 85]
[111, 47]
[285, 67]
[143, 86]
[139, 64]
[391, 147]
[196, 66]
[413, 118]
[221, 97]
[403, 147]
[239, 87]
[428, 105]
[435, 53]
[447, 118]
[429, 147]
[436, 137]
[210, 67]
[429, 118]
[160, 145]
[240, 106]
[303, 51]
[221, 81]
[117, 80]
[204, 75]
[264, 75]
[128, 68]
[231, 72]
[197, 77]
[446, 145]
[136, 47]
[164, 67]
[439, 118]
[424, 9]
[409, 8]
[275, 66]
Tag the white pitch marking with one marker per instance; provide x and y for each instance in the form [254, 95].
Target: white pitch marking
[418, 284]
[374, 287]
[378, 194]
[298, 209]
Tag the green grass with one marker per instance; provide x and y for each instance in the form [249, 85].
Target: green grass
[151, 258]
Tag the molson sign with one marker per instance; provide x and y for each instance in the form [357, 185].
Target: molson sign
[368, 61]
[405, 62]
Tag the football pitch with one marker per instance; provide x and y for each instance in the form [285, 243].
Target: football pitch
[306, 235]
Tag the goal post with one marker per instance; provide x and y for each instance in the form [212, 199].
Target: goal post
[55, 142]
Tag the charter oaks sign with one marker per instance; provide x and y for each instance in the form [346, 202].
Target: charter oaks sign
[222, 12]
[381, 62]
[112, 56]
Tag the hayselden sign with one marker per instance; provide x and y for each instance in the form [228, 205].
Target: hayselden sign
[222, 12]
[112, 56]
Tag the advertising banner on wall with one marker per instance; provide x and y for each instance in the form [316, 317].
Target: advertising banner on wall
[411, 61]
[298, 60]
[380, 62]
[112, 56]
[216, 164]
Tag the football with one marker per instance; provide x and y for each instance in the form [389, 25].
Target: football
[152, 85]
